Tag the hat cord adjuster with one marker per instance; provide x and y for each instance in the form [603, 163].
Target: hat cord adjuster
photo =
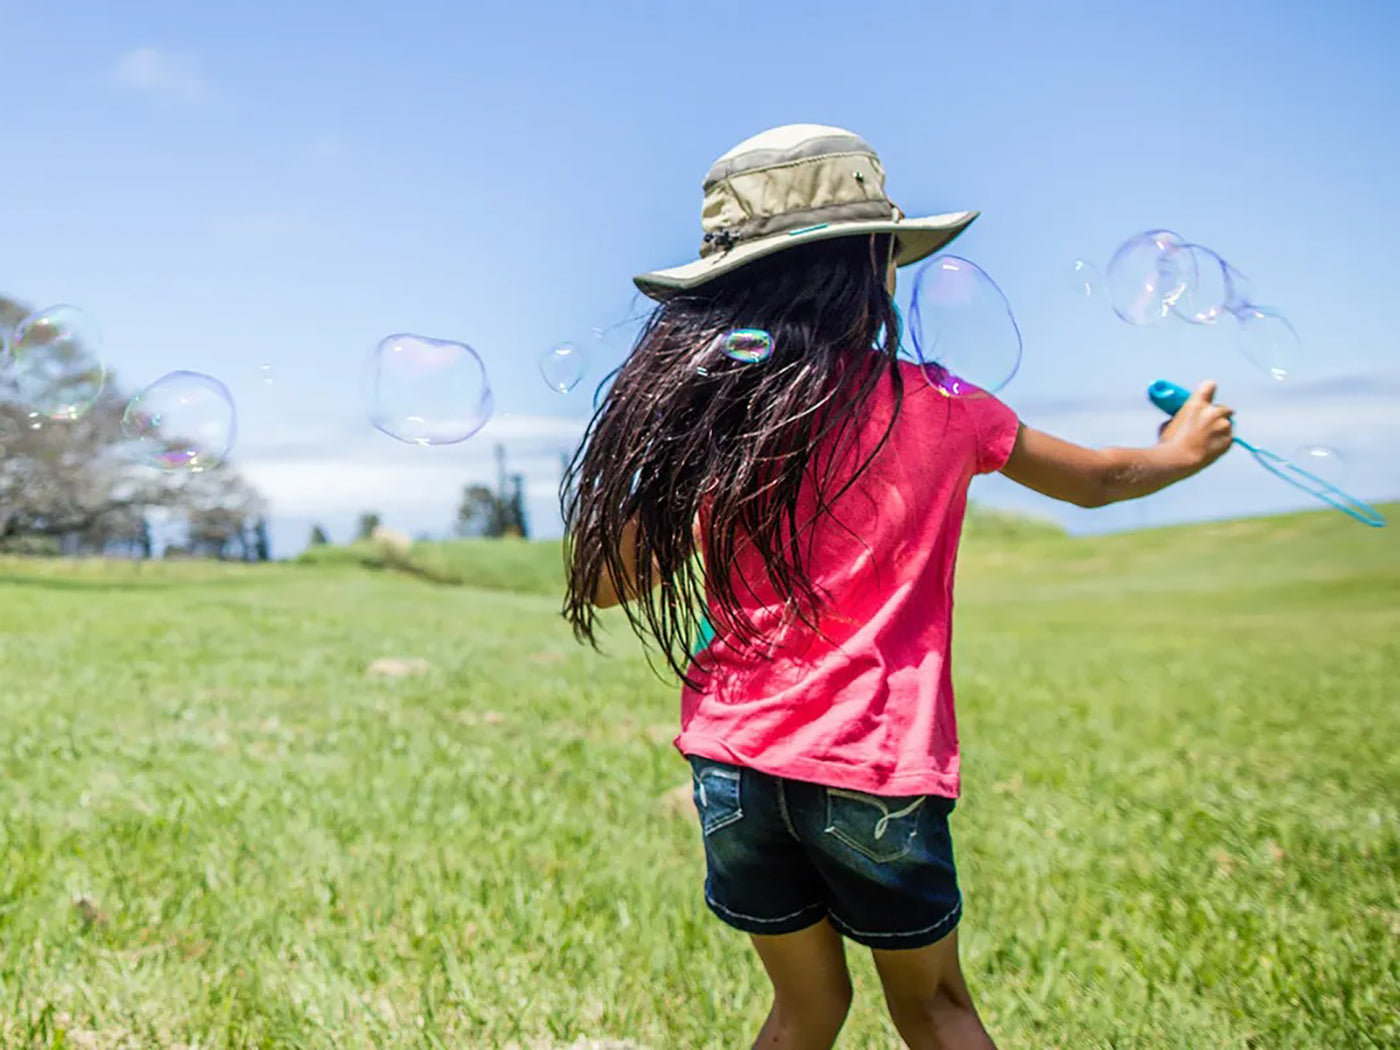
[722, 239]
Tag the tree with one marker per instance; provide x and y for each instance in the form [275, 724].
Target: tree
[516, 524]
[494, 514]
[476, 516]
[490, 514]
[318, 537]
[369, 521]
[220, 506]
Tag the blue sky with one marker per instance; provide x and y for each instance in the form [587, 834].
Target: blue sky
[231, 186]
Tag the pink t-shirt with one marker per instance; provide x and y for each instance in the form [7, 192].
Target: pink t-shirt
[866, 701]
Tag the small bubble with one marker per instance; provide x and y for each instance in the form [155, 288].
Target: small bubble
[563, 366]
[53, 363]
[1320, 459]
[1083, 278]
[265, 374]
[747, 345]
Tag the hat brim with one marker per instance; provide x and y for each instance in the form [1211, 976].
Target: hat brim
[916, 239]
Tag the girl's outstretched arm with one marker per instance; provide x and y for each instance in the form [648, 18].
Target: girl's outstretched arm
[1194, 438]
[613, 592]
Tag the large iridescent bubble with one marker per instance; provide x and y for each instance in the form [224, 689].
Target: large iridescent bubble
[962, 327]
[53, 362]
[425, 391]
[184, 422]
[1147, 276]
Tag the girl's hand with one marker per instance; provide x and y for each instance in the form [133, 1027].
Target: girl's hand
[1191, 440]
[1201, 431]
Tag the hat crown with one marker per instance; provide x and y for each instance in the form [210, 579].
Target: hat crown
[789, 178]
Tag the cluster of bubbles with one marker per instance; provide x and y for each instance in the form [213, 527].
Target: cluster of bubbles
[184, 422]
[1158, 275]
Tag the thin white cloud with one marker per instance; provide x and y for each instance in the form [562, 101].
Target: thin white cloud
[320, 474]
[325, 474]
[162, 74]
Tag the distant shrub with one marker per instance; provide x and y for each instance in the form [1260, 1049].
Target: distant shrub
[984, 522]
[522, 566]
[30, 546]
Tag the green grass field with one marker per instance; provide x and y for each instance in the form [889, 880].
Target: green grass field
[1182, 773]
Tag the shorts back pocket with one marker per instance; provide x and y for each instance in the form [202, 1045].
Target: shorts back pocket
[878, 827]
[716, 795]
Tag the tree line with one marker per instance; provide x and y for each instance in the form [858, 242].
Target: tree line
[482, 513]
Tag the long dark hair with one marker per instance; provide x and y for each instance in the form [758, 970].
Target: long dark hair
[684, 430]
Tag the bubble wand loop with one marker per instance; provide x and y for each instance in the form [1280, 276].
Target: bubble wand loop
[1169, 398]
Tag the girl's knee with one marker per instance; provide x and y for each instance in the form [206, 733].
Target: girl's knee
[809, 1023]
[932, 1010]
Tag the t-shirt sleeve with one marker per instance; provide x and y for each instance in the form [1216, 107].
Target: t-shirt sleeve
[996, 427]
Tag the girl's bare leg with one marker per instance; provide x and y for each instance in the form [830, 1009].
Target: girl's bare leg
[811, 988]
[928, 998]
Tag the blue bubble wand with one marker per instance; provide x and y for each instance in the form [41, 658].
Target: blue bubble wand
[1169, 398]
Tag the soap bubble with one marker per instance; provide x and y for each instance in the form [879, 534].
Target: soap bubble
[1083, 278]
[1322, 460]
[265, 374]
[1268, 341]
[562, 366]
[53, 360]
[1147, 275]
[426, 391]
[183, 422]
[1209, 291]
[746, 345]
[960, 320]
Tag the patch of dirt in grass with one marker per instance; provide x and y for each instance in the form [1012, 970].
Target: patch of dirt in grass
[397, 667]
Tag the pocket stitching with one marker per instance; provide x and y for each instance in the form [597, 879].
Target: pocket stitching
[877, 803]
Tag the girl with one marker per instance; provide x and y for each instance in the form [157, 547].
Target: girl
[809, 507]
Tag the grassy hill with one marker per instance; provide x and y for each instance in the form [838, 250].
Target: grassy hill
[1179, 826]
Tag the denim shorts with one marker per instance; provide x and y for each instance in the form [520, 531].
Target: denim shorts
[783, 854]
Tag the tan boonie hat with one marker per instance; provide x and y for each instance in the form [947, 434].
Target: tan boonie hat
[793, 185]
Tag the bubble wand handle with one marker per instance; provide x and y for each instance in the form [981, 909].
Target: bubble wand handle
[1170, 398]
